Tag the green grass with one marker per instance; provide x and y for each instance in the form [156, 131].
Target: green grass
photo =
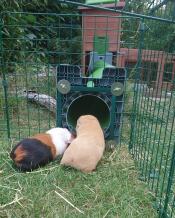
[113, 190]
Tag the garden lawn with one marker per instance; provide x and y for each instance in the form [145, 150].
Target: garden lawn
[113, 190]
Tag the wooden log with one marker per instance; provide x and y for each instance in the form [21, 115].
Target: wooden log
[41, 99]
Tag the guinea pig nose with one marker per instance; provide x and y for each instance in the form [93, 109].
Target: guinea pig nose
[12, 155]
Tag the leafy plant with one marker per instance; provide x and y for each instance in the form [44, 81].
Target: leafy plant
[31, 31]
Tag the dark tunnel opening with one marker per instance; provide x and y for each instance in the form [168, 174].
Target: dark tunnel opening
[89, 104]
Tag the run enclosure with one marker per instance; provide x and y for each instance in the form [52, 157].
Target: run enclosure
[33, 46]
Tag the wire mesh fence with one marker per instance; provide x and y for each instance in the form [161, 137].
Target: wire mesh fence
[33, 63]
[152, 140]
[36, 48]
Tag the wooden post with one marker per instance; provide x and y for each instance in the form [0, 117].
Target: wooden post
[173, 76]
[159, 79]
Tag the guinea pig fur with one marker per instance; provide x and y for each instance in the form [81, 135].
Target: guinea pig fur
[87, 148]
[40, 149]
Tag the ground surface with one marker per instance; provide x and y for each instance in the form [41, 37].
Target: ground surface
[112, 191]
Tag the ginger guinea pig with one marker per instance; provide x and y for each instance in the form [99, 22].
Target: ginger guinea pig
[87, 148]
[40, 149]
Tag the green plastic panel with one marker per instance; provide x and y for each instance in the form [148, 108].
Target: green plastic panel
[101, 44]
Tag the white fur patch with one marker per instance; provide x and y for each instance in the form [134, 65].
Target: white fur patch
[61, 137]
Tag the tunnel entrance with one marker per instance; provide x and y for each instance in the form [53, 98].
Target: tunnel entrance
[89, 104]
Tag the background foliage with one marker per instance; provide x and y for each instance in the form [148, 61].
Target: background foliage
[154, 28]
[25, 30]
[25, 37]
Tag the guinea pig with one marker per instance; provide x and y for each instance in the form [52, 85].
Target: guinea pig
[40, 149]
[87, 148]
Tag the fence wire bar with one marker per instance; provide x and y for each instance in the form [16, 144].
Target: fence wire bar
[153, 142]
[118, 11]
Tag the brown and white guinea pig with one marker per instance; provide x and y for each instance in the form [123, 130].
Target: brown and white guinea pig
[40, 149]
[87, 148]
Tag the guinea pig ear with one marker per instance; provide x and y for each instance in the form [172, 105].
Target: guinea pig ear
[19, 153]
[78, 125]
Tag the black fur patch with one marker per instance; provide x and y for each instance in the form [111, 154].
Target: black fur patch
[37, 154]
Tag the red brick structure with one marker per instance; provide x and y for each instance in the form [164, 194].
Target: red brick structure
[161, 58]
[102, 24]
[107, 24]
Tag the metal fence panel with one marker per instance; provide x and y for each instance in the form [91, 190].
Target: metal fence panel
[29, 61]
